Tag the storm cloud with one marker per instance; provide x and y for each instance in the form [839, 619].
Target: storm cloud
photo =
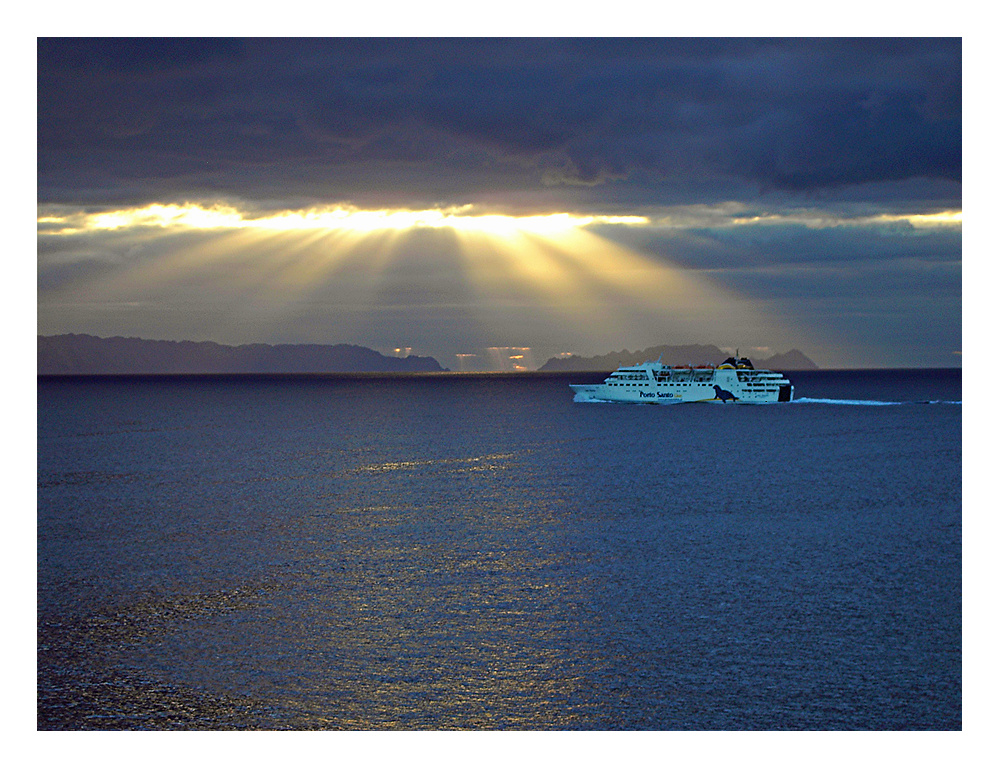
[798, 116]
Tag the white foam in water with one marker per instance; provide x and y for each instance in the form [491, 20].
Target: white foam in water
[830, 401]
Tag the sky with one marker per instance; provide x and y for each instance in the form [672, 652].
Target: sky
[495, 202]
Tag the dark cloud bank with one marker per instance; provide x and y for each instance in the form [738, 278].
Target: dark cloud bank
[610, 121]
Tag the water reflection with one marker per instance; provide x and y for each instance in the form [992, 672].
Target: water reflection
[302, 556]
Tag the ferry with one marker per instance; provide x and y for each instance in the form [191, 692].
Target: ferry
[734, 381]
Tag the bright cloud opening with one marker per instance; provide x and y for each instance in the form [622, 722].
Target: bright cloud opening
[347, 218]
[192, 216]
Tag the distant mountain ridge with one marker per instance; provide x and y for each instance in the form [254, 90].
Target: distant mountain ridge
[696, 354]
[83, 354]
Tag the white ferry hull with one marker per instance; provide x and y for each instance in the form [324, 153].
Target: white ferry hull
[657, 384]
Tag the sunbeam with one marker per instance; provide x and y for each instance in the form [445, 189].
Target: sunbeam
[448, 274]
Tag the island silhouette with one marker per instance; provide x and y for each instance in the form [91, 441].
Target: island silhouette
[82, 354]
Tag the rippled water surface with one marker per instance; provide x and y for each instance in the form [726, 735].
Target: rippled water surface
[445, 552]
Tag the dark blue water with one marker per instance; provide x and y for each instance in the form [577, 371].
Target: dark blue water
[475, 552]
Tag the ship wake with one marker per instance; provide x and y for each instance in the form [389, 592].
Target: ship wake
[831, 401]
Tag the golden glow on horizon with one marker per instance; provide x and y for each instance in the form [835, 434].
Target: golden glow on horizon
[458, 218]
[479, 276]
[500, 284]
[191, 216]
[821, 220]
[943, 218]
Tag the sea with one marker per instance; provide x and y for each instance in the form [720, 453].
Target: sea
[480, 552]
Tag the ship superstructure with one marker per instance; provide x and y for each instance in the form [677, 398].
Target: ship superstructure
[734, 381]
